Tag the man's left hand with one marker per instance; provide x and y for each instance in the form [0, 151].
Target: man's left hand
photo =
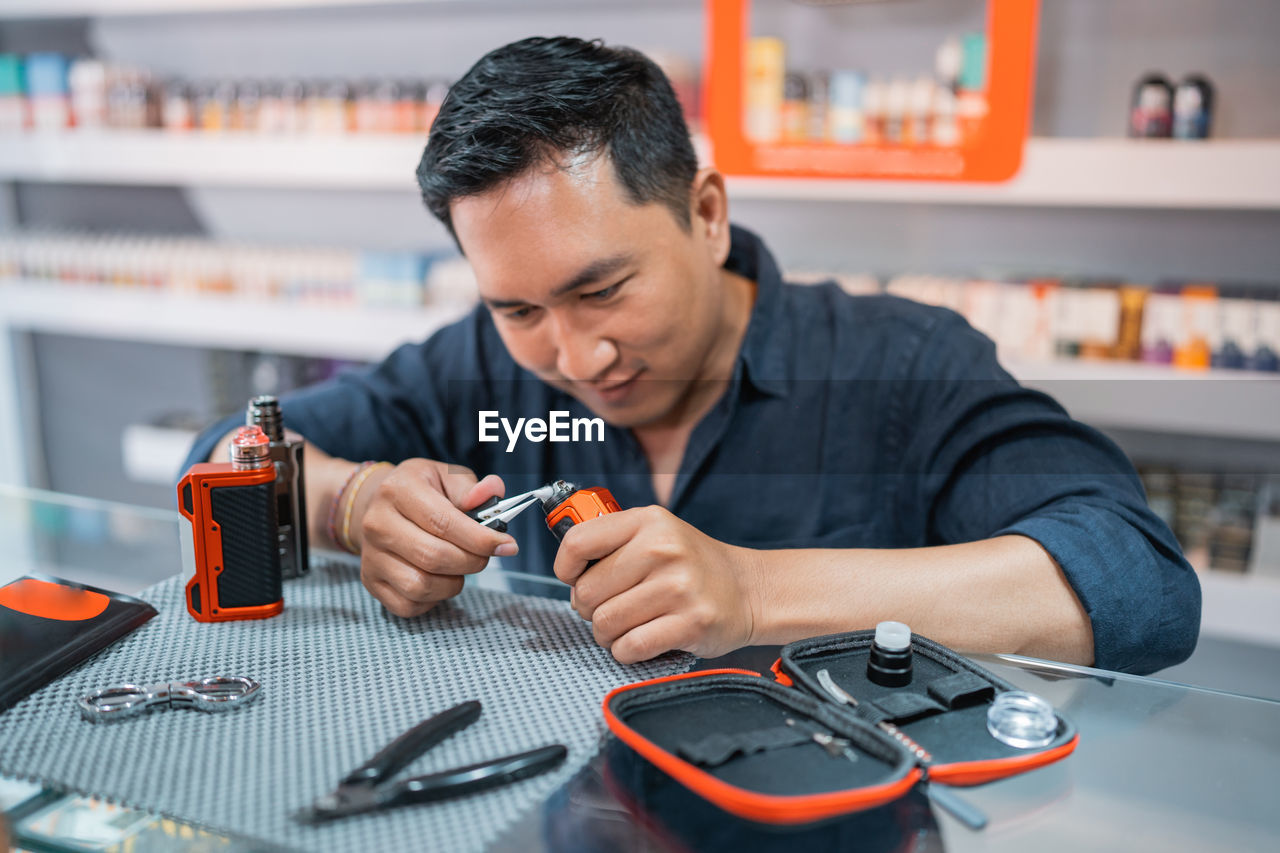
[660, 584]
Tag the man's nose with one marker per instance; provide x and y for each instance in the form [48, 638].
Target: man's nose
[582, 354]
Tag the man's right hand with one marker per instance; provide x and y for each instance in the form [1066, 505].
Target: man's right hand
[415, 540]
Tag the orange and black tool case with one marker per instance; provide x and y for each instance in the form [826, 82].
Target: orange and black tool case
[237, 555]
[760, 749]
[49, 626]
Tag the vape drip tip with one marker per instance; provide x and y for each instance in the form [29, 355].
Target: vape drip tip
[560, 492]
[264, 411]
[250, 449]
[890, 661]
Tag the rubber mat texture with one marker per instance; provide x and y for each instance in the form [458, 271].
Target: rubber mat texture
[341, 678]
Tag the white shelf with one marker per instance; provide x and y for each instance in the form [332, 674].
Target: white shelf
[1240, 607]
[103, 8]
[1222, 174]
[1217, 174]
[150, 157]
[1156, 398]
[1076, 370]
[153, 454]
[337, 331]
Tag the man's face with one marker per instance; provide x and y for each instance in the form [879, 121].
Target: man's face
[610, 301]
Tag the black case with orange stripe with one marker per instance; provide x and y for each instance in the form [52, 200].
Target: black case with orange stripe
[724, 734]
[49, 625]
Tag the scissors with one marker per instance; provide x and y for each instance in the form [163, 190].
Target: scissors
[495, 513]
[367, 789]
[218, 693]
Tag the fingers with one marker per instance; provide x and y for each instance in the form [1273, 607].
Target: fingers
[604, 581]
[420, 498]
[651, 639]
[404, 590]
[625, 612]
[394, 534]
[490, 487]
[459, 486]
[597, 538]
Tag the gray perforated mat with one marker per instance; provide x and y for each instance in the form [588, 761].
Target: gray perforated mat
[340, 680]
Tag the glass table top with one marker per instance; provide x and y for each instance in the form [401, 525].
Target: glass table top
[1160, 765]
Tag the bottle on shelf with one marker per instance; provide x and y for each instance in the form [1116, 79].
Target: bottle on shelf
[795, 107]
[1151, 109]
[766, 74]
[1192, 108]
[13, 106]
[47, 94]
[846, 124]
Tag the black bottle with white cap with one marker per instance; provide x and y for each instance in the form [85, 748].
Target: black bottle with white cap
[890, 661]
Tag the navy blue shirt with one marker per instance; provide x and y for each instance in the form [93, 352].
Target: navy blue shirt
[850, 422]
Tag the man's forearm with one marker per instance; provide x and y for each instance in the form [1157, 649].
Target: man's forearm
[997, 595]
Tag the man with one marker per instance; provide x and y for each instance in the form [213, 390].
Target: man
[792, 461]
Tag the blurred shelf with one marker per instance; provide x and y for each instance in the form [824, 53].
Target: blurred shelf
[1127, 371]
[1241, 607]
[104, 8]
[1157, 398]
[1213, 174]
[154, 454]
[1222, 174]
[219, 322]
[353, 162]
[1226, 403]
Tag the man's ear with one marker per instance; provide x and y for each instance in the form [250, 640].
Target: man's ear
[709, 212]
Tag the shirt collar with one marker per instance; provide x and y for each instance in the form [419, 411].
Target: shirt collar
[764, 353]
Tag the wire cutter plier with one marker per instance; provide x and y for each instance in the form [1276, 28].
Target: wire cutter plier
[366, 788]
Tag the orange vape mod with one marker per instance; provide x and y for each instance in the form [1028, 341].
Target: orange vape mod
[568, 506]
[232, 510]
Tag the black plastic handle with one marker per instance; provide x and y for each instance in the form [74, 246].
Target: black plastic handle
[398, 754]
[495, 524]
[477, 777]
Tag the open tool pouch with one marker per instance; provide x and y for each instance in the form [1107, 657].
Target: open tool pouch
[787, 752]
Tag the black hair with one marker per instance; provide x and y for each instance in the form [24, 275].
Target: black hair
[529, 101]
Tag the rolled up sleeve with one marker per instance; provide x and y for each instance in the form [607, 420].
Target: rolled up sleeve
[990, 458]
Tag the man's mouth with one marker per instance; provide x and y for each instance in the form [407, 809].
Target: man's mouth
[615, 392]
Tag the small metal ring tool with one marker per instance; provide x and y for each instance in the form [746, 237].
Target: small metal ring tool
[217, 693]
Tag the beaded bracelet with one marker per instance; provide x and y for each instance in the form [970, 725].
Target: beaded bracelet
[345, 542]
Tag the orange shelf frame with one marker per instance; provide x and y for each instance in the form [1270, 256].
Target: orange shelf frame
[997, 156]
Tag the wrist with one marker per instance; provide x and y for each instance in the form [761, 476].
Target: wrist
[804, 593]
[341, 515]
[755, 574]
[362, 494]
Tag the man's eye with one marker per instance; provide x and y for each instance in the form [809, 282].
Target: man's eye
[601, 295]
[521, 313]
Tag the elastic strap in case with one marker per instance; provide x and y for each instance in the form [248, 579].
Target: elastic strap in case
[715, 749]
[900, 707]
[961, 689]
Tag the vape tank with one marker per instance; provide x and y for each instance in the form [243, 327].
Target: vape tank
[291, 499]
